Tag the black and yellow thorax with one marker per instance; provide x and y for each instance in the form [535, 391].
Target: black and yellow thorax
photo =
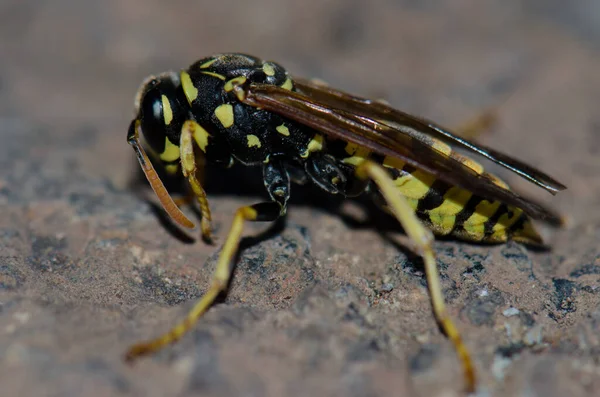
[226, 130]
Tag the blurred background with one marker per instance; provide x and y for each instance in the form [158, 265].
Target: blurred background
[87, 267]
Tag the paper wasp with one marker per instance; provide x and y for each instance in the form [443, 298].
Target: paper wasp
[234, 108]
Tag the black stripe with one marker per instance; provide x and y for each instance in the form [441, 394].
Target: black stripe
[519, 224]
[434, 196]
[394, 173]
[467, 211]
[337, 148]
[488, 226]
[409, 169]
[377, 158]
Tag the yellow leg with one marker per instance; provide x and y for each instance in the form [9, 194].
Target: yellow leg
[190, 170]
[422, 238]
[268, 211]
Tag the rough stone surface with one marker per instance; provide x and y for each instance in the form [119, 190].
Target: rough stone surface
[329, 303]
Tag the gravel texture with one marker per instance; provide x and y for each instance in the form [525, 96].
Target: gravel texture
[330, 302]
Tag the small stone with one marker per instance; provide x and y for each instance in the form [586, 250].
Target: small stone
[534, 336]
[499, 366]
[511, 311]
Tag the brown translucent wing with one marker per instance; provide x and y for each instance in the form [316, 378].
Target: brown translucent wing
[340, 116]
[387, 114]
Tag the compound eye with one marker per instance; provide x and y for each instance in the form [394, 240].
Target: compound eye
[153, 117]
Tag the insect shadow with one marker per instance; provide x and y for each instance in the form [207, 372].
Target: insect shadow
[247, 182]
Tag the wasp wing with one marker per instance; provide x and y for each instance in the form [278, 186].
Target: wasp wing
[317, 107]
[419, 128]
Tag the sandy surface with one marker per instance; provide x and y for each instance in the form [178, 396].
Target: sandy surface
[324, 305]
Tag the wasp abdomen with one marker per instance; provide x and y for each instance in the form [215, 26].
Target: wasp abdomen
[446, 209]
[452, 211]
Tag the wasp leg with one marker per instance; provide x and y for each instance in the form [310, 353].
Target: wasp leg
[267, 211]
[277, 182]
[422, 238]
[325, 173]
[190, 171]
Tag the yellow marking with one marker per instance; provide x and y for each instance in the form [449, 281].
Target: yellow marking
[233, 82]
[191, 92]
[357, 153]
[505, 222]
[208, 63]
[239, 92]
[415, 185]
[225, 115]
[167, 111]
[172, 168]
[283, 130]
[213, 74]
[497, 181]
[287, 84]
[171, 152]
[268, 69]
[470, 163]
[200, 136]
[315, 145]
[393, 162]
[475, 224]
[352, 148]
[266, 160]
[443, 217]
[414, 203]
[441, 147]
[253, 141]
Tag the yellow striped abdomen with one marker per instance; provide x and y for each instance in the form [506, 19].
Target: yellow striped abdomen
[452, 211]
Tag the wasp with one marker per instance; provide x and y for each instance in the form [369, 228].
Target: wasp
[235, 108]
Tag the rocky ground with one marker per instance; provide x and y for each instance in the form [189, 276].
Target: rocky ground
[329, 303]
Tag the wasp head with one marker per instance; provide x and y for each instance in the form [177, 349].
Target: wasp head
[161, 113]
[159, 117]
